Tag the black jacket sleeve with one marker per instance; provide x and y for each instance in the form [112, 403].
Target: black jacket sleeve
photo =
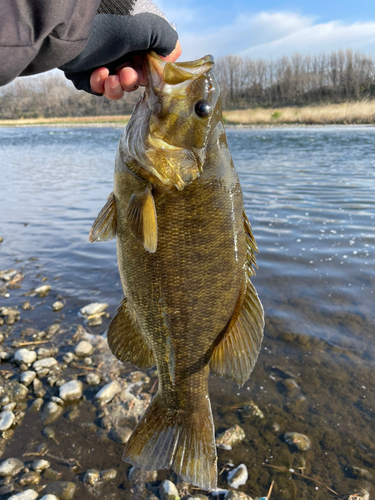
[38, 35]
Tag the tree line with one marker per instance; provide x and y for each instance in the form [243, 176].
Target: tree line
[245, 83]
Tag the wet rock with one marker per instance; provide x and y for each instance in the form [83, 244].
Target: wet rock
[69, 357]
[9, 407]
[95, 321]
[51, 330]
[51, 475]
[51, 380]
[83, 349]
[38, 389]
[7, 419]
[198, 497]
[238, 476]
[91, 477]
[108, 474]
[71, 391]
[42, 290]
[49, 497]
[57, 400]
[6, 489]
[93, 308]
[230, 437]
[10, 467]
[42, 448]
[49, 433]
[25, 356]
[300, 441]
[44, 363]
[73, 414]
[40, 465]
[27, 377]
[58, 305]
[64, 490]
[168, 491]
[237, 495]
[36, 404]
[43, 372]
[26, 305]
[108, 392]
[31, 477]
[358, 472]
[5, 356]
[25, 495]
[251, 409]
[87, 361]
[8, 434]
[1, 337]
[121, 434]
[92, 379]
[60, 382]
[141, 476]
[290, 386]
[51, 412]
[20, 392]
[43, 352]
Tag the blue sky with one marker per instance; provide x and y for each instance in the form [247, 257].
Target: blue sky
[271, 28]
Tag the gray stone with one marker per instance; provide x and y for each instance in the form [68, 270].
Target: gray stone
[58, 305]
[42, 290]
[44, 363]
[49, 497]
[108, 474]
[36, 404]
[27, 377]
[92, 379]
[300, 441]
[121, 434]
[57, 400]
[19, 392]
[44, 352]
[9, 406]
[25, 495]
[40, 465]
[68, 357]
[108, 392]
[83, 349]
[237, 495]
[230, 437]
[71, 391]
[6, 420]
[93, 308]
[91, 477]
[51, 330]
[168, 491]
[51, 412]
[49, 433]
[10, 467]
[30, 477]
[238, 476]
[64, 490]
[25, 356]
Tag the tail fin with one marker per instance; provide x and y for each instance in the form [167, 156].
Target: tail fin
[185, 442]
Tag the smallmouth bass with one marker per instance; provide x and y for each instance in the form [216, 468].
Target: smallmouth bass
[186, 253]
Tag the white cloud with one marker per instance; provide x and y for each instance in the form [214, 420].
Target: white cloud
[269, 34]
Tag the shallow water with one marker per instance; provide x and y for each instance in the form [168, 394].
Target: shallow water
[310, 196]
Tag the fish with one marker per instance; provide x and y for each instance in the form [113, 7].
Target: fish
[186, 253]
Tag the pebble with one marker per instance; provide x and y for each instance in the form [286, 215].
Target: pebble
[25, 495]
[38, 389]
[49, 497]
[51, 330]
[121, 435]
[20, 392]
[300, 441]
[108, 474]
[57, 400]
[43, 352]
[5, 356]
[48, 432]
[58, 305]
[51, 412]
[291, 385]
[26, 305]
[1, 338]
[230, 437]
[73, 414]
[238, 476]
[42, 290]
[68, 357]
[108, 392]
[83, 349]
[9, 406]
[358, 472]
[36, 404]
[168, 491]
[6, 489]
[64, 490]
[237, 495]
[10, 467]
[6, 420]
[27, 377]
[40, 465]
[51, 475]
[31, 477]
[91, 477]
[92, 379]
[71, 391]
[25, 356]
[43, 372]
[44, 363]
[95, 321]
[252, 409]
[93, 308]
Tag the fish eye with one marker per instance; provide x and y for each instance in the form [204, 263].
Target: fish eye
[203, 108]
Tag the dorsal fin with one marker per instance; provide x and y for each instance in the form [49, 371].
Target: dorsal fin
[105, 225]
[143, 220]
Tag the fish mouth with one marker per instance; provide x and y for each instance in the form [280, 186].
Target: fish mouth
[160, 73]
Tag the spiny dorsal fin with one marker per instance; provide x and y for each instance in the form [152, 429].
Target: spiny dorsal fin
[105, 225]
[126, 340]
[235, 356]
[142, 219]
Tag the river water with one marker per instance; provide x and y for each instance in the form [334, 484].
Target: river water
[310, 197]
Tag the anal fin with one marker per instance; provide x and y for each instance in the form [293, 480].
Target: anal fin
[126, 340]
[142, 219]
[236, 354]
[105, 225]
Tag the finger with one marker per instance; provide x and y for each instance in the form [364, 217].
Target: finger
[97, 80]
[128, 79]
[175, 54]
[112, 88]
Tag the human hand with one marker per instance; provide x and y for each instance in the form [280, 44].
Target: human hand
[128, 78]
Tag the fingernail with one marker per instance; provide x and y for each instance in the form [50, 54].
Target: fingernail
[116, 89]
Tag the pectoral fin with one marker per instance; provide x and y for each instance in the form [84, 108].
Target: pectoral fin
[105, 225]
[235, 356]
[126, 340]
[143, 220]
